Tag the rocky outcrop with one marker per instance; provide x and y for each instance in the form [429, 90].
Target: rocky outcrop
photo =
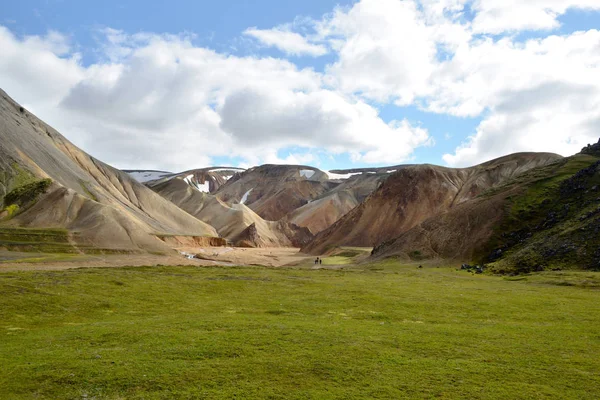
[592, 149]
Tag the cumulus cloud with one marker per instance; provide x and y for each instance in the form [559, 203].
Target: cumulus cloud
[498, 16]
[536, 95]
[287, 41]
[385, 50]
[158, 101]
[38, 67]
[540, 95]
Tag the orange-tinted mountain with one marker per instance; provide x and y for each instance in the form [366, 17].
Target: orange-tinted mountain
[545, 218]
[416, 193]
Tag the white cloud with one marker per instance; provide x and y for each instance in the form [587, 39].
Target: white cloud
[498, 16]
[541, 95]
[34, 67]
[160, 102]
[533, 96]
[287, 41]
[385, 50]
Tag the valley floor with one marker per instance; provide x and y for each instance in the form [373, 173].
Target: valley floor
[209, 256]
[372, 331]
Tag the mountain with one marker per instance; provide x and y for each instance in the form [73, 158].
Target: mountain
[351, 188]
[47, 182]
[291, 195]
[143, 176]
[206, 180]
[416, 193]
[230, 220]
[547, 217]
[272, 191]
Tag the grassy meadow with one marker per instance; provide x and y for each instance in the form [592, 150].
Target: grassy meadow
[375, 331]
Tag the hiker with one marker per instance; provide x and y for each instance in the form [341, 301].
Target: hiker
[320, 261]
[316, 260]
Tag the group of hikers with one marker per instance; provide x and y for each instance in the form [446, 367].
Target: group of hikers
[318, 261]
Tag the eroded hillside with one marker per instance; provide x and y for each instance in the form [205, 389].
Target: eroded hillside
[105, 207]
[546, 218]
[417, 193]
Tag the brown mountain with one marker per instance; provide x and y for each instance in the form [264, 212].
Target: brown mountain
[304, 196]
[547, 217]
[273, 191]
[417, 193]
[47, 182]
[230, 220]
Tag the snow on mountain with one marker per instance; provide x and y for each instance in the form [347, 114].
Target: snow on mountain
[333, 175]
[201, 187]
[146, 176]
[307, 173]
[245, 197]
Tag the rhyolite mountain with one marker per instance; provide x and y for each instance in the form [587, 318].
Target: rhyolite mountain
[47, 182]
[291, 195]
[545, 218]
[416, 193]
[519, 213]
[229, 219]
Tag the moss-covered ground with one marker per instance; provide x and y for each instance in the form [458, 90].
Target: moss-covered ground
[373, 331]
[50, 243]
[551, 222]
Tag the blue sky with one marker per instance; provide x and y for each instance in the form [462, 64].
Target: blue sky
[452, 107]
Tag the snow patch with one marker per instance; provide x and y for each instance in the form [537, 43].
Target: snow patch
[204, 187]
[307, 173]
[201, 187]
[391, 171]
[245, 197]
[333, 175]
[147, 176]
[226, 169]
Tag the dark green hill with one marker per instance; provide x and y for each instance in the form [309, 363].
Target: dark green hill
[554, 223]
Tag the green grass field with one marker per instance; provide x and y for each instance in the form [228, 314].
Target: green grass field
[379, 331]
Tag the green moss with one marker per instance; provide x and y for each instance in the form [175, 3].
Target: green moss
[552, 222]
[87, 190]
[36, 240]
[12, 210]
[29, 235]
[53, 241]
[21, 177]
[27, 193]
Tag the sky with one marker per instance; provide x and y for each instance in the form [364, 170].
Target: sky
[182, 84]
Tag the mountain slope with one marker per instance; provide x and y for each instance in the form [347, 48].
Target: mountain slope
[417, 193]
[304, 196]
[105, 206]
[230, 220]
[272, 191]
[545, 218]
